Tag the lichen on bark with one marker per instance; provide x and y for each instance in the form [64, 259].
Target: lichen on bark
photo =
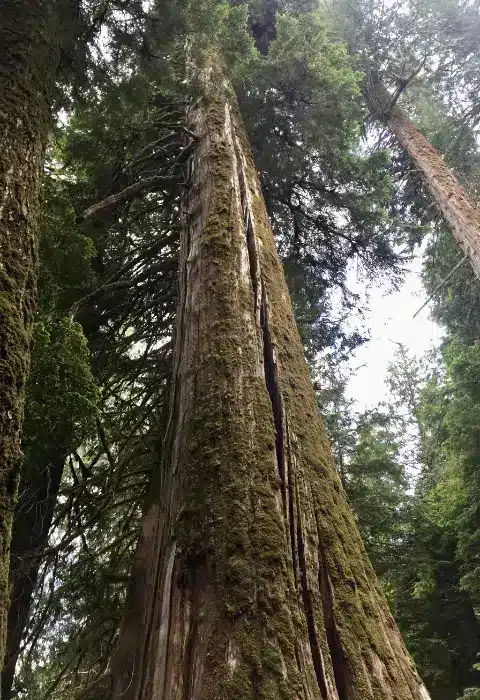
[269, 594]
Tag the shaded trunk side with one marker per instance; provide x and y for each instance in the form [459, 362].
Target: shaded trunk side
[459, 210]
[28, 58]
[31, 525]
[251, 580]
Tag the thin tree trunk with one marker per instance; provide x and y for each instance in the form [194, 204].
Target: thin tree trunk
[459, 211]
[28, 58]
[251, 580]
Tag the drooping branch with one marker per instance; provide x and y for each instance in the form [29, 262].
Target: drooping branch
[150, 184]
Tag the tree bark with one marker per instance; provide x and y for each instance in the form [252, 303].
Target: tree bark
[31, 525]
[251, 580]
[459, 211]
[28, 59]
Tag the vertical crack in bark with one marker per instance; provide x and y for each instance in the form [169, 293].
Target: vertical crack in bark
[260, 299]
[193, 605]
[317, 659]
[282, 436]
[252, 255]
[291, 501]
[271, 381]
[285, 465]
[256, 684]
[337, 655]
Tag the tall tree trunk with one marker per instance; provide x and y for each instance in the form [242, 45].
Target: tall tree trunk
[251, 580]
[28, 58]
[31, 525]
[460, 212]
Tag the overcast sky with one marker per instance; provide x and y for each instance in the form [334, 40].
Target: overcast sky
[390, 320]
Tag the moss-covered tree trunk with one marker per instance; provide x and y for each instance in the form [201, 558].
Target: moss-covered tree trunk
[251, 580]
[462, 215]
[28, 58]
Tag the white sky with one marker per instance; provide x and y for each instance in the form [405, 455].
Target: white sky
[390, 320]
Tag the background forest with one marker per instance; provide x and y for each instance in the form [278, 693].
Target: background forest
[342, 194]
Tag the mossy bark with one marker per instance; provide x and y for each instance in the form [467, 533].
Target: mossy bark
[28, 59]
[460, 212]
[251, 580]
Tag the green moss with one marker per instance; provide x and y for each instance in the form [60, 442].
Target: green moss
[239, 686]
[233, 524]
[240, 585]
[272, 658]
[231, 484]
